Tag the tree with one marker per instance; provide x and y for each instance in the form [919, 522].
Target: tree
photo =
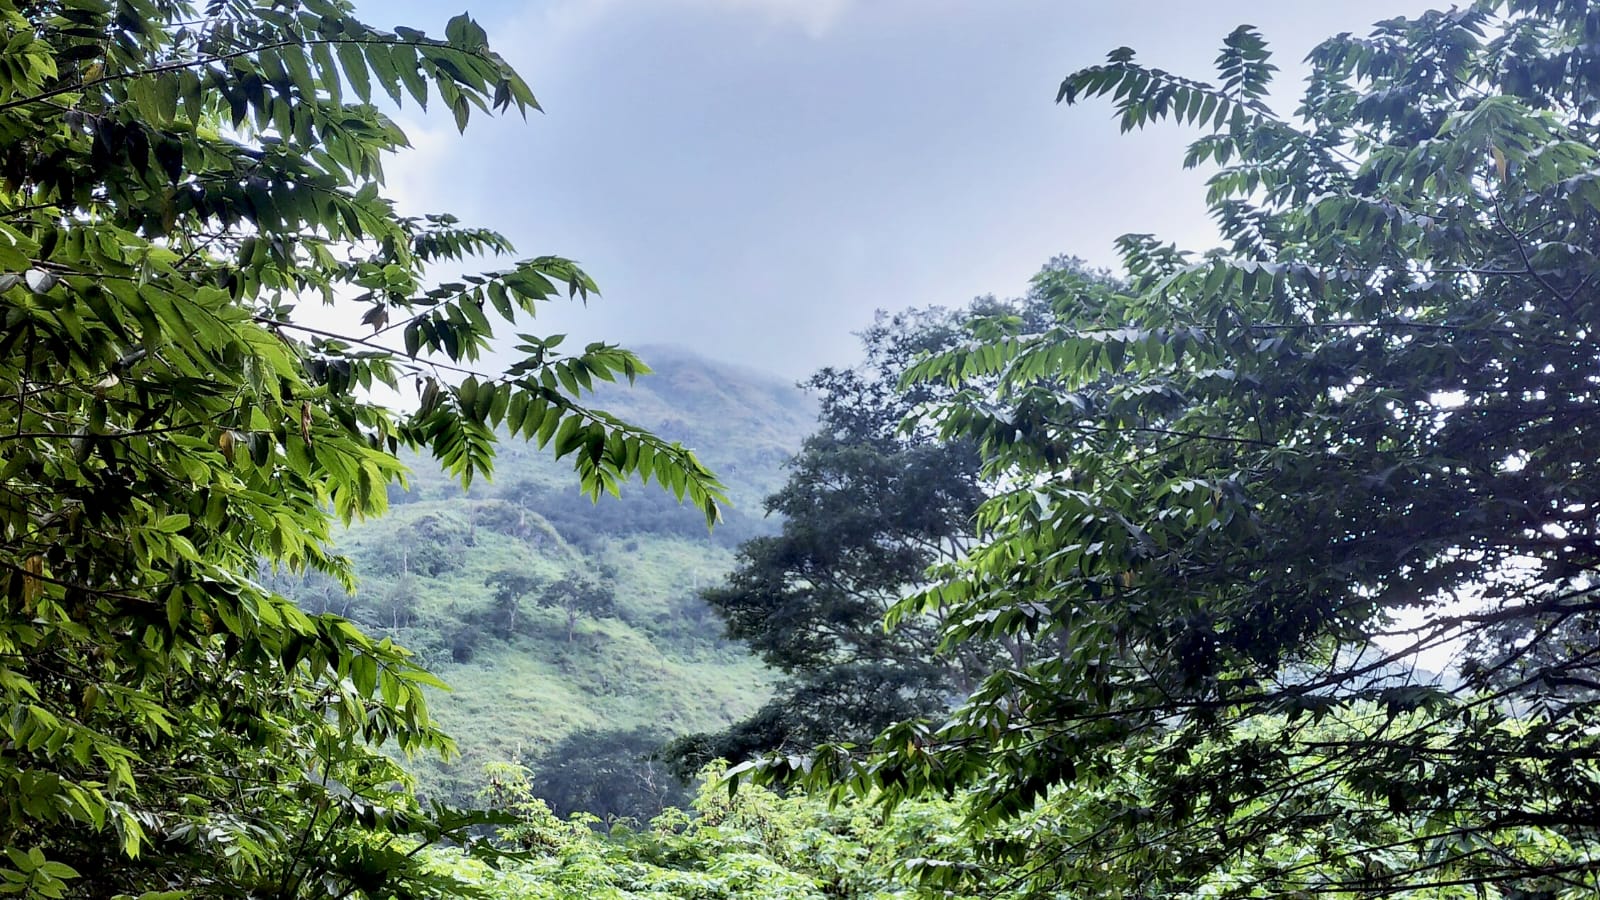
[511, 587]
[1250, 495]
[867, 508]
[609, 773]
[175, 181]
[577, 596]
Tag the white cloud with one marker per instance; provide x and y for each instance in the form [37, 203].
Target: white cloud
[816, 18]
[418, 177]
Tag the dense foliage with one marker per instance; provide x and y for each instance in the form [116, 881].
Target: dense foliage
[865, 511]
[175, 181]
[658, 660]
[519, 687]
[759, 844]
[611, 774]
[1248, 495]
[869, 507]
[756, 845]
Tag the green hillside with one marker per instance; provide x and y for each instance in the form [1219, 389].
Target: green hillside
[656, 662]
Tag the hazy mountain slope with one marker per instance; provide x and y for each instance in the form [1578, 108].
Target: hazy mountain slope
[742, 423]
[519, 685]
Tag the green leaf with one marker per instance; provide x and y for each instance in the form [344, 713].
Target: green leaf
[569, 435]
[354, 65]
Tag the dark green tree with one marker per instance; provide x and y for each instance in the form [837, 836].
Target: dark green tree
[868, 507]
[509, 589]
[578, 595]
[609, 773]
[176, 181]
[1251, 495]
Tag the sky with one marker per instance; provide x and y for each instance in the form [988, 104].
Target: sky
[753, 178]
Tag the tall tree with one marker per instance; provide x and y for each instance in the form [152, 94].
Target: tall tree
[609, 773]
[174, 180]
[868, 507]
[1254, 493]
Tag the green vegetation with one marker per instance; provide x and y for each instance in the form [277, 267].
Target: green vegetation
[744, 423]
[176, 180]
[1159, 556]
[653, 667]
[656, 660]
[1242, 495]
[755, 845]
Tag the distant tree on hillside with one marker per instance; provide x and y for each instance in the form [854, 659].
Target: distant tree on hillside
[579, 595]
[396, 607]
[575, 595]
[510, 587]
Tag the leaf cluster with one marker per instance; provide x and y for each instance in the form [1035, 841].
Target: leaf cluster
[175, 182]
[1246, 494]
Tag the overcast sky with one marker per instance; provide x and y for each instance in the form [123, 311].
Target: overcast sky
[752, 178]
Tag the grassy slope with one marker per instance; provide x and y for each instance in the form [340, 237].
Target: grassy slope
[660, 662]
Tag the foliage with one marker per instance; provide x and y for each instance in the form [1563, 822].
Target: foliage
[658, 661]
[586, 524]
[867, 508]
[612, 774]
[762, 845]
[759, 844]
[1245, 494]
[575, 595]
[756, 845]
[175, 181]
[743, 424]
[864, 511]
[1062, 847]
[578, 596]
[511, 587]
